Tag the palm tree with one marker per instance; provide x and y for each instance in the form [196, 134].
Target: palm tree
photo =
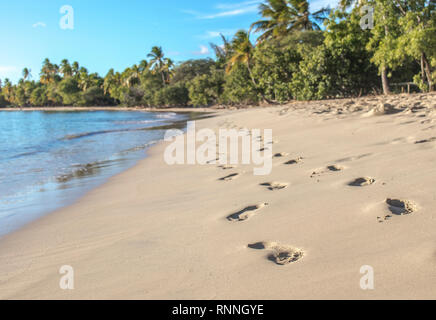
[49, 72]
[133, 75]
[75, 68]
[84, 79]
[222, 52]
[45, 75]
[157, 61]
[283, 16]
[108, 81]
[66, 69]
[143, 65]
[167, 69]
[26, 74]
[242, 53]
[111, 82]
[8, 90]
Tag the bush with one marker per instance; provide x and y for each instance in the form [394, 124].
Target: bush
[238, 87]
[39, 97]
[132, 96]
[94, 96]
[206, 89]
[274, 68]
[340, 67]
[69, 90]
[174, 95]
[3, 102]
[190, 69]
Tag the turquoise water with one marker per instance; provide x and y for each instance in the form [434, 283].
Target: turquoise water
[49, 159]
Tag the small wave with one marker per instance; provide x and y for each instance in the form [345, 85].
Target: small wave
[140, 147]
[87, 134]
[138, 121]
[86, 170]
[93, 133]
[169, 115]
[20, 155]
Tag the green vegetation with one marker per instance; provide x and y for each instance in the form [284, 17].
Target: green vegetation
[298, 55]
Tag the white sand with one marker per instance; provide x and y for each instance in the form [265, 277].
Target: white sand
[160, 232]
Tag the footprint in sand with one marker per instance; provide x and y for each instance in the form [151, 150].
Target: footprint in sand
[273, 186]
[295, 161]
[213, 161]
[226, 167]
[281, 155]
[398, 208]
[246, 213]
[284, 112]
[383, 219]
[335, 168]
[354, 158]
[362, 182]
[332, 168]
[429, 128]
[426, 141]
[230, 177]
[281, 255]
[401, 207]
[427, 121]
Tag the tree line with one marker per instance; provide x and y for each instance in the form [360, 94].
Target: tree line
[298, 55]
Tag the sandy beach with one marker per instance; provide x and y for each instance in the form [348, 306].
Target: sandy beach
[352, 185]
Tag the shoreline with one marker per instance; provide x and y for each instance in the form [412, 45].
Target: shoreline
[77, 192]
[70, 109]
[160, 232]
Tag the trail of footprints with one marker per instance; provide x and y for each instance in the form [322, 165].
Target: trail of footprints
[284, 254]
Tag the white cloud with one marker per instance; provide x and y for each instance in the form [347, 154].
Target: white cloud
[217, 34]
[39, 24]
[228, 10]
[203, 51]
[236, 12]
[7, 69]
[227, 6]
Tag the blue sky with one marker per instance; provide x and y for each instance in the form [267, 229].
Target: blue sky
[116, 33]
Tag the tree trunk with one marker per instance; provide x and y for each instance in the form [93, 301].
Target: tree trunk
[251, 74]
[427, 71]
[385, 81]
[422, 67]
[163, 78]
[384, 71]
